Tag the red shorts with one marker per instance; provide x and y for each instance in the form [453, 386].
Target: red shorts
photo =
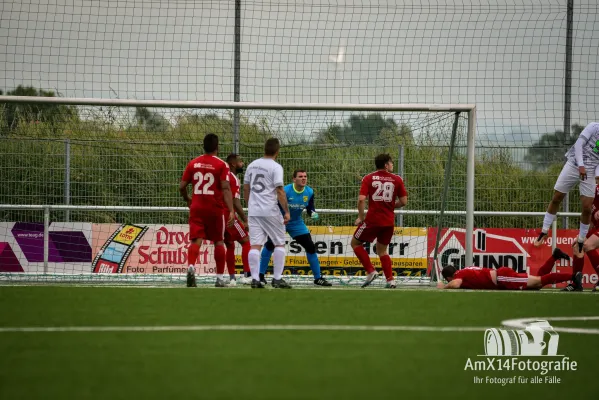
[508, 279]
[382, 234]
[236, 232]
[208, 227]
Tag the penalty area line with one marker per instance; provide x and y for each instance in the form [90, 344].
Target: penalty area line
[183, 328]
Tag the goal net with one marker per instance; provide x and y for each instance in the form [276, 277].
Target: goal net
[91, 194]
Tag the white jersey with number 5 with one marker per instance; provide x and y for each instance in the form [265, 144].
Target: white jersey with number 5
[263, 175]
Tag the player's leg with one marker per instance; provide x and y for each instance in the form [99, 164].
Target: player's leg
[362, 235]
[577, 266]
[585, 215]
[547, 266]
[537, 282]
[196, 233]
[383, 239]
[214, 228]
[593, 256]
[508, 279]
[245, 250]
[307, 243]
[566, 180]
[276, 232]
[267, 250]
[238, 233]
[230, 245]
[257, 240]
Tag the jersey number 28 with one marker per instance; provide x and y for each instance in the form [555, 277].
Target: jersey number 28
[384, 191]
[204, 183]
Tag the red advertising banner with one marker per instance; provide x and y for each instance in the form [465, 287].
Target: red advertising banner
[506, 247]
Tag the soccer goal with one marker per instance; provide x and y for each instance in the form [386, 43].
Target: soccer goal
[91, 194]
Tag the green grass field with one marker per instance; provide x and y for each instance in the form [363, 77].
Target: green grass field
[275, 364]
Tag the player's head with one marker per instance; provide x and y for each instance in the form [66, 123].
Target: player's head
[384, 162]
[448, 272]
[210, 143]
[235, 163]
[271, 147]
[300, 178]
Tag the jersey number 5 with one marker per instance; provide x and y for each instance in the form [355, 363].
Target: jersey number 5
[384, 191]
[204, 183]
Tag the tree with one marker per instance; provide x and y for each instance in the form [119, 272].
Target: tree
[151, 121]
[14, 114]
[365, 129]
[551, 147]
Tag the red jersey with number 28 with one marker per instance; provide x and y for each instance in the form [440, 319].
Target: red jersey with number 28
[205, 174]
[475, 278]
[382, 189]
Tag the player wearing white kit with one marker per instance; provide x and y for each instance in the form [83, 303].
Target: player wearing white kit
[263, 191]
[582, 158]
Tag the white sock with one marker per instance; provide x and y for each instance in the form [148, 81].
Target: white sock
[547, 221]
[191, 268]
[219, 276]
[278, 261]
[254, 261]
[584, 229]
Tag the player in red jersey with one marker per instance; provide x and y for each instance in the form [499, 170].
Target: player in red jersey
[505, 278]
[591, 244]
[237, 232]
[210, 207]
[385, 192]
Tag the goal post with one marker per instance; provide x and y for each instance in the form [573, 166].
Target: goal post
[123, 160]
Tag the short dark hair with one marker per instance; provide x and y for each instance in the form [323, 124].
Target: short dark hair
[271, 147]
[381, 160]
[210, 143]
[448, 272]
[297, 171]
[232, 157]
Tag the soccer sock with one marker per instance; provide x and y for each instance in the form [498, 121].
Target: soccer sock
[547, 221]
[193, 253]
[364, 259]
[231, 259]
[266, 255]
[220, 257]
[314, 264]
[278, 262]
[547, 266]
[584, 229]
[577, 266]
[245, 249]
[386, 264]
[555, 277]
[254, 261]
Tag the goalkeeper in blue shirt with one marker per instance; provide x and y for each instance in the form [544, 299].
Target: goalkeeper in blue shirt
[300, 196]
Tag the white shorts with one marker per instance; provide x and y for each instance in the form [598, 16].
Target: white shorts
[570, 176]
[262, 228]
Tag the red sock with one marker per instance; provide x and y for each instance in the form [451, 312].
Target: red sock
[220, 256]
[578, 265]
[231, 258]
[555, 277]
[594, 259]
[193, 253]
[546, 267]
[386, 264]
[364, 259]
[245, 250]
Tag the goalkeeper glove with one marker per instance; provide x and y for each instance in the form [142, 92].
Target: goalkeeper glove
[315, 216]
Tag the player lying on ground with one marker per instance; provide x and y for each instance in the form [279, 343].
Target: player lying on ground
[300, 196]
[210, 207]
[582, 158]
[385, 192]
[591, 244]
[237, 231]
[506, 278]
[263, 190]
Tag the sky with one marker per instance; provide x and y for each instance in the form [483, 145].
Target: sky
[505, 56]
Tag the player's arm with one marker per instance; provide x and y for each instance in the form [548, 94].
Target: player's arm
[239, 209]
[311, 208]
[361, 208]
[401, 202]
[454, 284]
[282, 197]
[402, 195]
[227, 193]
[185, 181]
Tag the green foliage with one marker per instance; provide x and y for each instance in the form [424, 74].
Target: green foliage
[550, 148]
[366, 129]
[14, 115]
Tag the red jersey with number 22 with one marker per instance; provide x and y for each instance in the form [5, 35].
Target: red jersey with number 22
[382, 189]
[475, 278]
[205, 174]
